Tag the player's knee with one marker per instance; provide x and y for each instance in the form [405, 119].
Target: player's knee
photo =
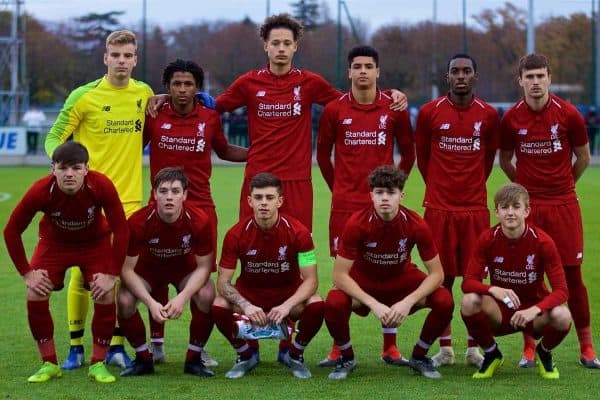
[221, 302]
[337, 301]
[126, 303]
[441, 300]
[33, 296]
[470, 304]
[560, 318]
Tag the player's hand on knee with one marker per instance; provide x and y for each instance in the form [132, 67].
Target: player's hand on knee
[522, 317]
[38, 281]
[398, 313]
[507, 296]
[256, 315]
[102, 285]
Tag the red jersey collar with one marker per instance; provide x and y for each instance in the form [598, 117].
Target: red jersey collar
[378, 98]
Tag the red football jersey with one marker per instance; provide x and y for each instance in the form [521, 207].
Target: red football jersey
[456, 147]
[381, 250]
[279, 119]
[186, 141]
[169, 245]
[518, 264]
[543, 143]
[363, 136]
[269, 259]
[92, 213]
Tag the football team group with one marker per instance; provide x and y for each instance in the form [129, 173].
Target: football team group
[122, 253]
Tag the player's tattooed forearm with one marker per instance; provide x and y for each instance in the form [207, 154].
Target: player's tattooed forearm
[233, 296]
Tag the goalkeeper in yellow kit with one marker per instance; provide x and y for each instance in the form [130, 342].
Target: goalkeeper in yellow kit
[107, 117]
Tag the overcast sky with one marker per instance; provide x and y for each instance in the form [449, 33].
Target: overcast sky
[170, 13]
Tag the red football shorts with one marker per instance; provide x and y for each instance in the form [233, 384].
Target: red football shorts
[161, 276]
[267, 298]
[297, 200]
[563, 224]
[505, 328]
[91, 257]
[455, 234]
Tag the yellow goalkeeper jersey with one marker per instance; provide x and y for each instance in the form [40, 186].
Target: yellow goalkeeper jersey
[109, 121]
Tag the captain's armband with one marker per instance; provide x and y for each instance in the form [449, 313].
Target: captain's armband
[307, 258]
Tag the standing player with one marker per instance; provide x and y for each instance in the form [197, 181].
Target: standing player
[169, 244]
[279, 99]
[516, 256]
[373, 272]
[107, 116]
[544, 131]
[457, 139]
[81, 210]
[278, 278]
[362, 128]
[183, 134]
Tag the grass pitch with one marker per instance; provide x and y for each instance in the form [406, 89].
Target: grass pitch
[371, 379]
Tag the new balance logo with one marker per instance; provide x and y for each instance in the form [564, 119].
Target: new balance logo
[154, 241]
[444, 127]
[166, 125]
[106, 108]
[499, 259]
[371, 245]
[347, 121]
[522, 132]
[251, 252]
[261, 93]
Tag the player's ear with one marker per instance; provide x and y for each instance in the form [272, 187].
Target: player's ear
[86, 169]
[279, 201]
[250, 200]
[185, 192]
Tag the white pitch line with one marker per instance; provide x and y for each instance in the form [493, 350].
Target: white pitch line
[4, 196]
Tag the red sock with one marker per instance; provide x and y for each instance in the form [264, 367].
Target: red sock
[309, 324]
[338, 307]
[157, 330]
[134, 330]
[442, 305]
[580, 308]
[200, 326]
[103, 324]
[480, 327]
[223, 319]
[42, 328]
[287, 343]
[528, 342]
[552, 337]
[389, 338]
[446, 336]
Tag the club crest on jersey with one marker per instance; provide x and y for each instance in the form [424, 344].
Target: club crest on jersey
[554, 132]
[297, 93]
[185, 241]
[282, 253]
[383, 121]
[90, 212]
[402, 245]
[477, 128]
[138, 103]
[201, 126]
[530, 261]
[532, 276]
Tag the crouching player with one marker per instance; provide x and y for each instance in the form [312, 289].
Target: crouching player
[169, 244]
[278, 278]
[516, 256]
[81, 210]
[373, 272]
